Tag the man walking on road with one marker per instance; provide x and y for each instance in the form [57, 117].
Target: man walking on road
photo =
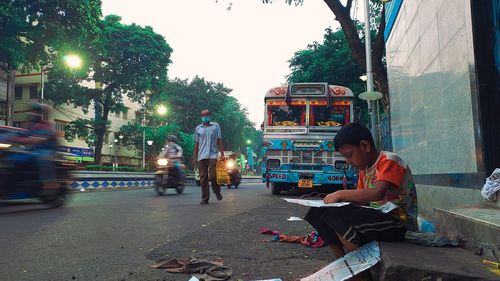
[207, 137]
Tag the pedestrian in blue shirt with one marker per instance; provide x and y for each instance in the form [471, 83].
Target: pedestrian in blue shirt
[207, 137]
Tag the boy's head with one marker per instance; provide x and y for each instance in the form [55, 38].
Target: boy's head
[355, 142]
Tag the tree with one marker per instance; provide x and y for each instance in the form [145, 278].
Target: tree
[185, 100]
[329, 61]
[127, 60]
[30, 31]
[355, 38]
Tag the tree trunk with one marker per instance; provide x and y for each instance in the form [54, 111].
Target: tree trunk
[342, 15]
[101, 116]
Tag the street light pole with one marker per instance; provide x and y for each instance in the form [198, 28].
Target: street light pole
[144, 134]
[41, 83]
[369, 71]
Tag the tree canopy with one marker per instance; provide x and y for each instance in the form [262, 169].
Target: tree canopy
[355, 38]
[30, 31]
[330, 61]
[127, 60]
[185, 100]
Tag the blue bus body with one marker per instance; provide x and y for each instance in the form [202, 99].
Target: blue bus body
[299, 128]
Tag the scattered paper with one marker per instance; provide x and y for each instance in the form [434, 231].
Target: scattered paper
[314, 203]
[386, 208]
[294, 219]
[194, 279]
[351, 264]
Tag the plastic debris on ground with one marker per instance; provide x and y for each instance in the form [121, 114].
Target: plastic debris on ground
[492, 186]
[425, 225]
[351, 264]
[294, 219]
[312, 240]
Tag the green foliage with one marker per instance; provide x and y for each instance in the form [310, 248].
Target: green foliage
[330, 61]
[186, 99]
[31, 31]
[80, 127]
[127, 60]
[110, 168]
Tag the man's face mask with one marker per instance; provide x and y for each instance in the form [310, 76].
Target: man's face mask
[205, 119]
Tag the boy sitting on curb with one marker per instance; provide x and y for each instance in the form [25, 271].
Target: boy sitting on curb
[383, 177]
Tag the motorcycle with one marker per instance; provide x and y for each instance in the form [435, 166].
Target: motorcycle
[169, 174]
[234, 174]
[20, 178]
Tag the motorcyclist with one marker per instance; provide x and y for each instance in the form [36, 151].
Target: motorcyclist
[41, 142]
[173, 152]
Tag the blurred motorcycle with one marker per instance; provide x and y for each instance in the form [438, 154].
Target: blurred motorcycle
[234, 173]
[20, 177]
[169, 174]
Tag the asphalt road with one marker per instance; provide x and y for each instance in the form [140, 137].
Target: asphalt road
[117, 235]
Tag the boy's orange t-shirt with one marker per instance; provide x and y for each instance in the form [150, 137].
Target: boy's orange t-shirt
[391, 168]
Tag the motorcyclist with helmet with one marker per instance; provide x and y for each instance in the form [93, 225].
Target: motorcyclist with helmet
[41, 142]
[173, 152]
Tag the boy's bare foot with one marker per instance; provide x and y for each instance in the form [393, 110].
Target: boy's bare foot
[337, 250]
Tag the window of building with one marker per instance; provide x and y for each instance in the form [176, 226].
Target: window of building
[33, 92]
[18, 93]
[60, 127]
[138, 116]
[125, 114]
[117, 114]
[106, 137]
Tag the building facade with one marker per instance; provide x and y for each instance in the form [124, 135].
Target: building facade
[443, 71]
[27, 90]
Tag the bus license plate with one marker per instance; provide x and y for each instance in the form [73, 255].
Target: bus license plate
[307, 183]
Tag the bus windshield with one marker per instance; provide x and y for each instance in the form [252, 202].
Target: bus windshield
[335, 116]
[282, 114]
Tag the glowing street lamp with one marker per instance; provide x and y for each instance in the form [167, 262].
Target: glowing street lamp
[73, 61]
[162, 110]
[249, 141]
[150, 142]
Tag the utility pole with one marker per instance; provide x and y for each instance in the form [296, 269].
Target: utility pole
[369, 70]
[144, 133]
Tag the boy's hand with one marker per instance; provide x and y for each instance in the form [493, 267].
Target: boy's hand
[332, 198]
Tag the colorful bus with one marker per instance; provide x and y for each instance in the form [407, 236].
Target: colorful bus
[300, 123]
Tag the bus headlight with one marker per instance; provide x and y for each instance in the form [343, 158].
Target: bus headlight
[162, 162]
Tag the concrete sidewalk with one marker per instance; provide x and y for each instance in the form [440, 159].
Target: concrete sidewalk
[237, 242]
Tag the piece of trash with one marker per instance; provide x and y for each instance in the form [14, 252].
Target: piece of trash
[351, 264]
[193, 278]
[194, 251]
[492, 263]
[492, 186]
[294, 219]
[82, 189]
[275, 279]
[203, 225]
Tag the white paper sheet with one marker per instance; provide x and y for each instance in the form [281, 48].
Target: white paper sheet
[314, 203]
[386, 208]
[194, 279]
[294, 219]
[351, 264]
